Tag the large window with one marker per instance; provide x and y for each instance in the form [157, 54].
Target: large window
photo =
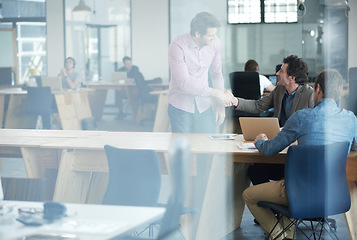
[259, 11]
[98, 38]
[29, 19]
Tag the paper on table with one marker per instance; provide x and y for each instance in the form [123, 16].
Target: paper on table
[249, 147]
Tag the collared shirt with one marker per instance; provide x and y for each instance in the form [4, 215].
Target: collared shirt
[286, 107]
[324, 124]
[189, 67]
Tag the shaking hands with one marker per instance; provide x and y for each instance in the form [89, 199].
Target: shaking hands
[225, 97]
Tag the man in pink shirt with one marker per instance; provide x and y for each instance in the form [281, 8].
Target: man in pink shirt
[195, 105]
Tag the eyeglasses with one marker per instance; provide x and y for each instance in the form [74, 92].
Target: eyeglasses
[29, 210]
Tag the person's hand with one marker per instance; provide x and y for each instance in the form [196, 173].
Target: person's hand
[233, 99]
[225, 97]
[260, 136]
[64, 72]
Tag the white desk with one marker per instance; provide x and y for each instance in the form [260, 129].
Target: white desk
[84, 221]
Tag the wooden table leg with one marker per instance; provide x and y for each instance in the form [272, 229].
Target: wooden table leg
[223, 205]
[33, 162]
[71, 186]
[351, 215]
[162, 122]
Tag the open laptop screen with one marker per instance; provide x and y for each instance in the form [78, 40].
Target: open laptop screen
[252, 126]
[55, 83]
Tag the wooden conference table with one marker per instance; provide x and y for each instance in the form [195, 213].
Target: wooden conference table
[84, 221]
[82, 169]
[73, 107]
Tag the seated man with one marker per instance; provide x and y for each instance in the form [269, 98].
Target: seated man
[133, 74]
[265, 84]
[71, 79]
[290, 95]
[308, 127]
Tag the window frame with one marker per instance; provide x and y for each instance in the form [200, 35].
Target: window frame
[262, 16]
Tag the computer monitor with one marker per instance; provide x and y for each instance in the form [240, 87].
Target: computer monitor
[5, 76]
[273, 79]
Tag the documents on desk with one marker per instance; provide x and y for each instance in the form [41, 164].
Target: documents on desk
[247, 147]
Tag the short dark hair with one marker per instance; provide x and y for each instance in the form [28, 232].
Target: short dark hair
[250, 66]
[297, 68]
[330, 82]
[71, 58]
[202, 21]
[126, 58]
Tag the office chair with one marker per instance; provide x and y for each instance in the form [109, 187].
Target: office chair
[244, 85]
[39, 102]
[148, 102]
[316, 186]
[179, 156]
[352, 98]
[134, 177]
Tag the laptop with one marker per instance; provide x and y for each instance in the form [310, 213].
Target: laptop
[252, 126]
[55, 83]
[119, 77]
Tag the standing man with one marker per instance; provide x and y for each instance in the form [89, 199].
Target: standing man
[191, 97]
[326, 123]
[291, 94]
[70, 78]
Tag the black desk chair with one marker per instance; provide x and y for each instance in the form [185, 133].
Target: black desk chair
[244, 85]
[148, 102]
[316, 187]
[39, 102]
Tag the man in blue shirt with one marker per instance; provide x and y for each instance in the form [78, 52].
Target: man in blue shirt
[324, 124]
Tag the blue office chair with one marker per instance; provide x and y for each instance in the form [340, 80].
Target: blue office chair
[134, 177]
[179, 159]
[39, 102]
[316, 186]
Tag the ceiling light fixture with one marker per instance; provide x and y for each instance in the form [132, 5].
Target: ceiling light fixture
[82, 7]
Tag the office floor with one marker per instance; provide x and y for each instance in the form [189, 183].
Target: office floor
[247, 231]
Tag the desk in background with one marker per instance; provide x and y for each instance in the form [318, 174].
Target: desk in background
[94, 222]
[73, 107]
[97, 99]
[83, 170]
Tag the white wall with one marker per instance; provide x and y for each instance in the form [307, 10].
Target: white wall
[352, 35]
[55, 37]
[150, 37]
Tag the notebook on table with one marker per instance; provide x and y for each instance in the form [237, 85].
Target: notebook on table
[119, 77]
[252, 126]
[55, 83]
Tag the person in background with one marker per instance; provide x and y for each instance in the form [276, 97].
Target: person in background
[291, 95]
[326, 123]
[252, 66]
[70, 78]
[134, 75]
[191, 57]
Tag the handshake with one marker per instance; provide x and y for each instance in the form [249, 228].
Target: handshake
[225, 97]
